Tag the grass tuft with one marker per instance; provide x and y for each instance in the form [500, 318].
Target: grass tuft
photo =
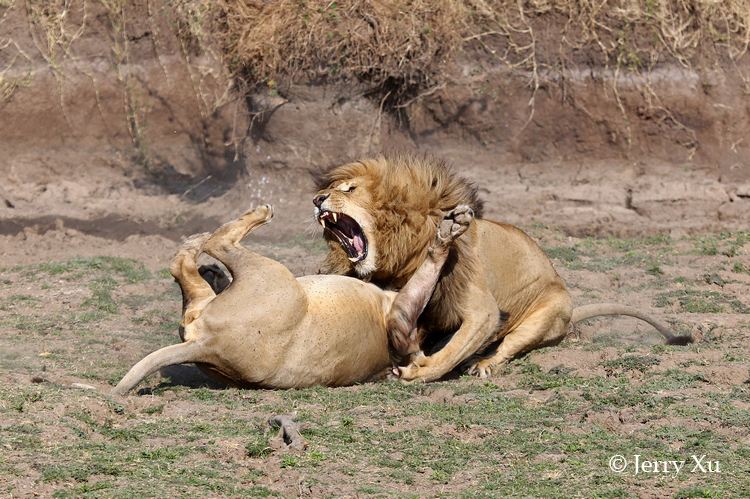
[701, 302]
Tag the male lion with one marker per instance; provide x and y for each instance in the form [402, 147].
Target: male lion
[271, 330]
[379, 217]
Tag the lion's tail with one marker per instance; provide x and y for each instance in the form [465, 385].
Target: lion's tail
[189, 351]
[597, 309]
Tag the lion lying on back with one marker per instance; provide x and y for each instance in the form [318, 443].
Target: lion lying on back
[270, 329]
[497, 284]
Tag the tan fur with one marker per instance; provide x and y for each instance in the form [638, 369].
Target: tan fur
[269, 329]
[497, 283]
[405, 196]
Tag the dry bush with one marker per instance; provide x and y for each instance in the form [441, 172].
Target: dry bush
[397, 49]
[396, 46]
[399, 46]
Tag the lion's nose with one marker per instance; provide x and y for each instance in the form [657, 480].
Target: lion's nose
[318, 200]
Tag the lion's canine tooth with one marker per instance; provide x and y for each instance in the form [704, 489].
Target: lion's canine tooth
[335, 217]
[353, 259]
[322, 223]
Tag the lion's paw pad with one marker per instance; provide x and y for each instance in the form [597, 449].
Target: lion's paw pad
[455, 223]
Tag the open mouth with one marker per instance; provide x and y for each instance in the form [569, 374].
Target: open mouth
[347, 232]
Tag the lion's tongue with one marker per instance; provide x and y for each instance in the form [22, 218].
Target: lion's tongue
[358, 243]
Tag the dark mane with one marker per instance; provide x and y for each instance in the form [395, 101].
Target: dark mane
[424, 171]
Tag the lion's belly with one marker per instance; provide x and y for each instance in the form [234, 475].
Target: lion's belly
[343, 340]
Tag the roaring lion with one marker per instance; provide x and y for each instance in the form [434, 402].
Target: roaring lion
[497, 285]
[270, 329]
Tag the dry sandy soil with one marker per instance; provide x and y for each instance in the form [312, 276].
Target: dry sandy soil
[84, 294]
[636, 184]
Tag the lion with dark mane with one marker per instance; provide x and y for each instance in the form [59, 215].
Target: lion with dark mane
[497, 296]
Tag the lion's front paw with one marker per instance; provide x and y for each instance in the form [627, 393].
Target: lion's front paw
[454, 223]
[482, 369]
[420, 369]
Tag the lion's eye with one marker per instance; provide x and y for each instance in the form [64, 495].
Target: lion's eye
[348, 188]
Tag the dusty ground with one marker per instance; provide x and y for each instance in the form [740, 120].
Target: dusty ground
[84, 294]
[120, 136]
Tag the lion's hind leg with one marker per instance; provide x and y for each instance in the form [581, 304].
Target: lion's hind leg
[196, 292]
[224, 243]
[547, 325]
[266, 280]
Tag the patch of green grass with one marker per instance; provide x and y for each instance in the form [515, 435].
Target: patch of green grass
[21, 435]
[402, 476]
[533, 431]
[85, 489]
[696, 491]
[104, 275]
[702, 302]
[154, 409]
[596, 254]
[164, 453]
[725, 243]
[289, 461]
[164, 274]
[23, 322]
[163, 321]
[562, 253]
[631, 363]
[101, 295]
[637, 243]
[78, 268]
[655, 270]
[707, 246]
[257, 445]
[383, 435]
[534, 378]
[315, 457]
[675, 379]
[78, 471]
[22, 299]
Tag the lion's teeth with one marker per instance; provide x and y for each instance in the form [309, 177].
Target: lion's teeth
[322, 223]
[353, 259]
[335, 217]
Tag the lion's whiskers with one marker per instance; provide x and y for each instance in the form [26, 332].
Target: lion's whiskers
[313, 229]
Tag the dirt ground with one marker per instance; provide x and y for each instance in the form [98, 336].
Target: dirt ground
[118, 138]
[85, 294]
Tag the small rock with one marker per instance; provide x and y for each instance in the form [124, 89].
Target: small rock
[82, 386]
[714, 279]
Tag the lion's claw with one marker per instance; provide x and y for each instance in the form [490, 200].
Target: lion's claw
[419, 370]
[454, 223]
[393, 374]
[481, 369]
